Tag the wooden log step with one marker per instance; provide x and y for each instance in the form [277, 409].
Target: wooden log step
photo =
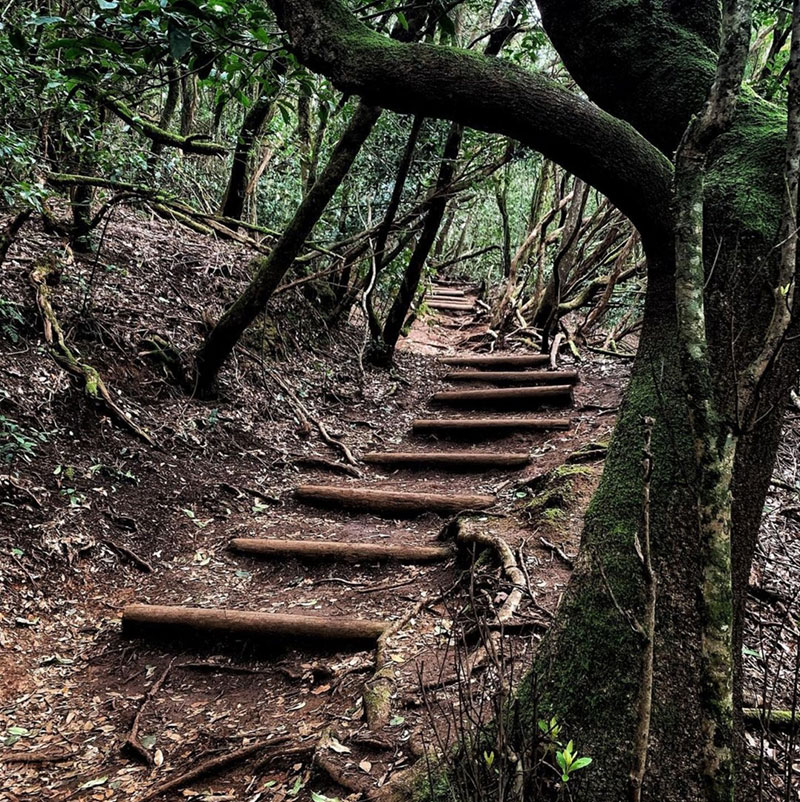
[442, 292]
[448, 288]
[390, 502]
[457, 460]
[507, 396]
[156, 619]
[496, 361]
[321, 550]
[451, 306]
[514, 376]
[468, 426]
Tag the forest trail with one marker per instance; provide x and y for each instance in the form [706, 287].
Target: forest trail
[311, 609]
[382, 498]
[394, 526]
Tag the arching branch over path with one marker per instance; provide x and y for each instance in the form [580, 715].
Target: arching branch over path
[489, 95]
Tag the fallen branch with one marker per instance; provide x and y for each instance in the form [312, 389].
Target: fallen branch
[93, 384]
[143, 565]
[241, 491]
[559, 552]
[302, 409]
[132, 741]
[779, 720]
[328, 464]
[213, 765]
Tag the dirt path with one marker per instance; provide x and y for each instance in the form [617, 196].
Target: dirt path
[75, 685]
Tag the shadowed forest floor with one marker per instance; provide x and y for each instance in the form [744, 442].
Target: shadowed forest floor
[92, 519]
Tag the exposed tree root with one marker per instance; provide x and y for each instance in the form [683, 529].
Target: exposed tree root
[380, 687]
[213, 765]
[467, 531]
[132, 742]
[43, 273]
[339, 776]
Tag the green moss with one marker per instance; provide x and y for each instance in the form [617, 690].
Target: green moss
[554, 490]
[746, 171]
[554, 515]
[568, 471]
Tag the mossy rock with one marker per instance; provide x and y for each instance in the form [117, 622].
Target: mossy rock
[554, 490]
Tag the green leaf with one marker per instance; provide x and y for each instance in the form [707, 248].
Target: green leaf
[180, 40]
[93, 783]
[47, 20]
[107, 5]
[401, 18]
[18, 40]
[18, 731]
[581, 762]
[315, 797]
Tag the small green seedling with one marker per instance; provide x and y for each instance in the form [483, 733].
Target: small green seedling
[569, 762]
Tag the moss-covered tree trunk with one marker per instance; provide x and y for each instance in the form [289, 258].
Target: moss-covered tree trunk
[235, 192]
[269, 270]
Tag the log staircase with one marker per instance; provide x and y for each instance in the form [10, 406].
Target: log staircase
[526, 387]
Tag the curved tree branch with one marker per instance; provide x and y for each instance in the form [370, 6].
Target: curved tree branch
[188, 144]
[489, 95]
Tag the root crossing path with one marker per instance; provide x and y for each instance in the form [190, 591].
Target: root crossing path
[375, 624]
